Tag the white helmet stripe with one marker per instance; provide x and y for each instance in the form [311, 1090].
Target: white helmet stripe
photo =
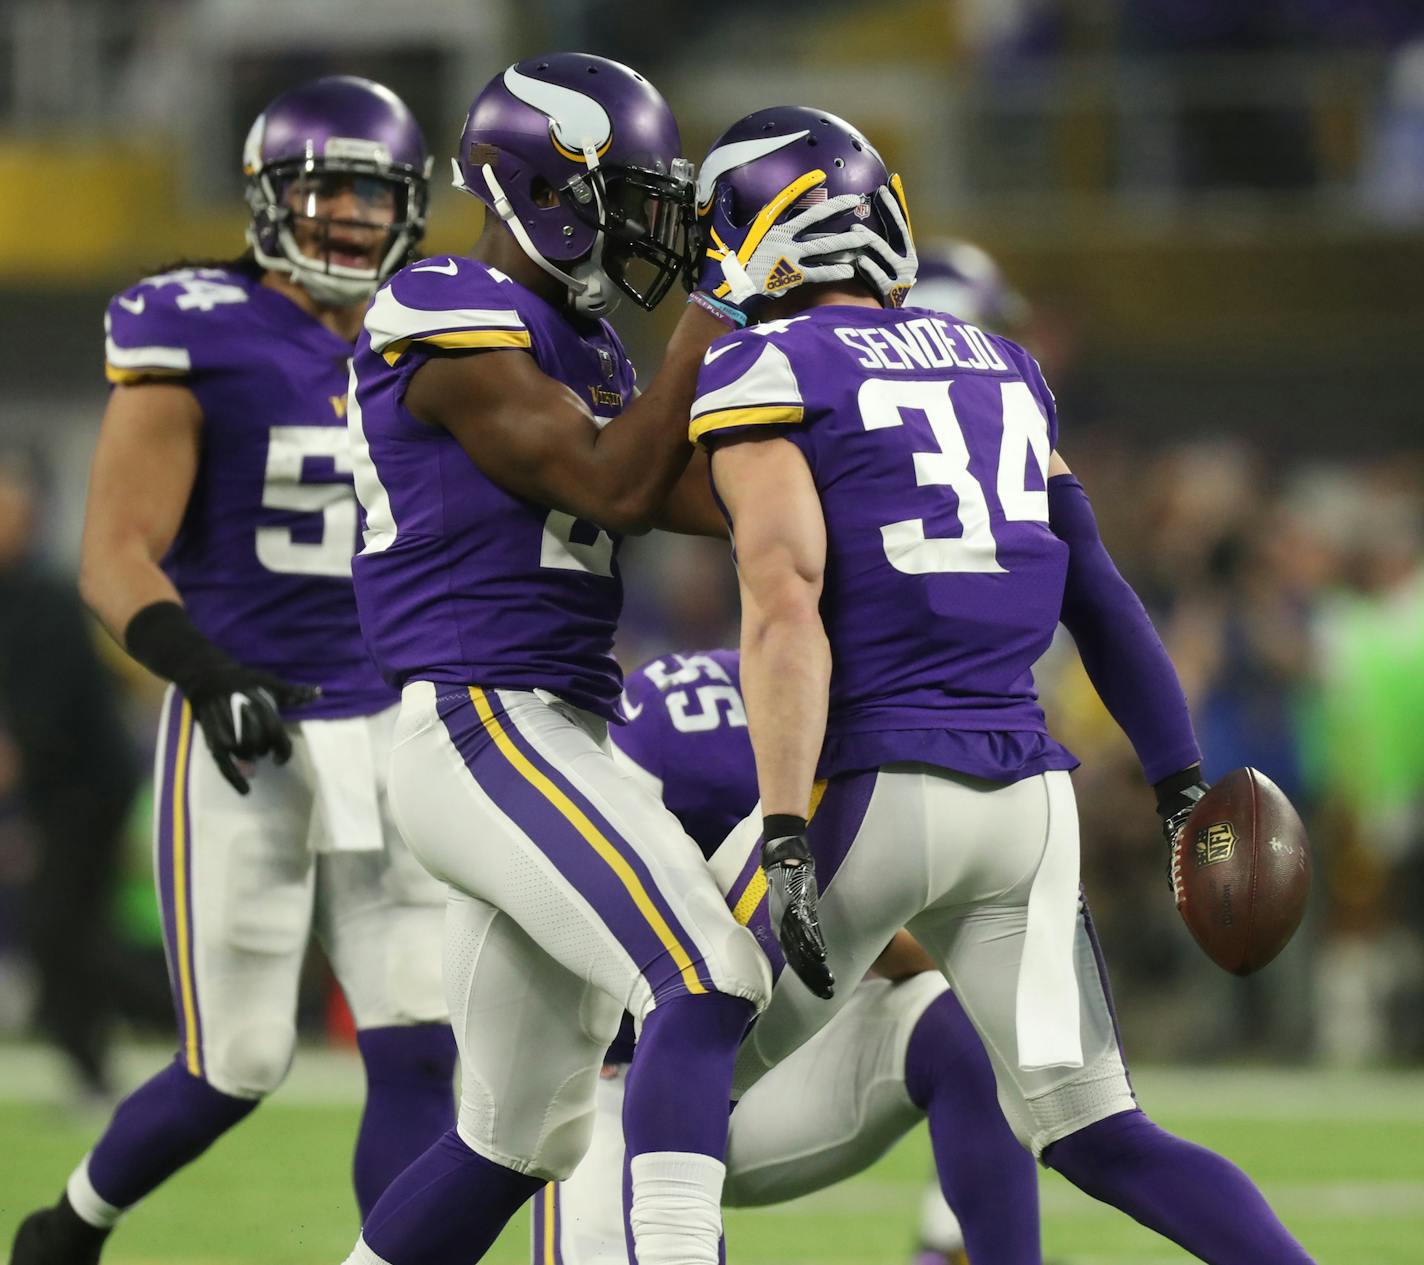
[578, 120]
[725, 157]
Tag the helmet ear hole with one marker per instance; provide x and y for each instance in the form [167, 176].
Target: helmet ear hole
[543, 193]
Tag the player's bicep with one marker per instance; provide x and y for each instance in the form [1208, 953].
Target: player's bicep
[778, 525]
[145, 464]
[1056, 465]
[526, 431]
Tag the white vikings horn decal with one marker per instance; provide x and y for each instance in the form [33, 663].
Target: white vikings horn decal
[577, 121]
[252, 146]
[725, 157]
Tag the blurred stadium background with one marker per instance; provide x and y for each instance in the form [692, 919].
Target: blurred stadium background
[1216, 213]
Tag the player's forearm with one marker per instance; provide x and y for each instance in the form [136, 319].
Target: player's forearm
[1120, 649]
[639, 457]
[786, 673]
[117, 579]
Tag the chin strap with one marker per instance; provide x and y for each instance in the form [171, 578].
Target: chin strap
[588, 290]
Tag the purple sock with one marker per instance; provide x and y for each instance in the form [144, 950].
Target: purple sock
[679, 1091]
[1193, 1196]
[446, 1208]
[989, 1180]
[410, 1101]
[167, 1122]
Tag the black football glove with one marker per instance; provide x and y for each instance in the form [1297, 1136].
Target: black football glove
[239, 711]
[1177, 795]
[236, 707]
[792, 898]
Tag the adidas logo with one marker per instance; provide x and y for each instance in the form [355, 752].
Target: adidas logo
[783, 275]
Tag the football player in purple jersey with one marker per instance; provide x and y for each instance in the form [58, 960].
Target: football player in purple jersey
[217, 549]
[908, 539]
[500, 453]
[902, 1049]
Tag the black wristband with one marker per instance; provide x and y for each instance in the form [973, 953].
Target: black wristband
[782, 826]
[1174, 784]
[165, 640]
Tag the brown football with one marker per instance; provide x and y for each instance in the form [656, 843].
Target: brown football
[1241, 871]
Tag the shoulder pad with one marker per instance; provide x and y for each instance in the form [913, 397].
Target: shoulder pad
[452, 303]
[150, 328]
[746, 379]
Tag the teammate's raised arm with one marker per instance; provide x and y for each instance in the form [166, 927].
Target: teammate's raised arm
[534, 437]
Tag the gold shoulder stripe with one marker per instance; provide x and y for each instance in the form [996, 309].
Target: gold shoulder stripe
[462, 338]
[761, 415]
[126, 377]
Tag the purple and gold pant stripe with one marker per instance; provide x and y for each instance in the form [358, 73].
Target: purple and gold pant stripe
[548, 1224]
[1104, 983]
[836, 812]
[575, 836]
[173, 847]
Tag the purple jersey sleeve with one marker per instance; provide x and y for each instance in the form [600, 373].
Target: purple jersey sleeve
[685, 726]
[746, 385]
[154, 330]
[449, 305]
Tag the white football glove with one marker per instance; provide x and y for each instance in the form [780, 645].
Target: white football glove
[779, 262]
[891, 275]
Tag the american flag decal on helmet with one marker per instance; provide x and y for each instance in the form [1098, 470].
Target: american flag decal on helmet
[812, 197]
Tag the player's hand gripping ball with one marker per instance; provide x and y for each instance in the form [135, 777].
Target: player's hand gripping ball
[1241, 871]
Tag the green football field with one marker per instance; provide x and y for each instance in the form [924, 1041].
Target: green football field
[1340, 1154]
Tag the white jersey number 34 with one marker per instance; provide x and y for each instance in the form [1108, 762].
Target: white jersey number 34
[907, 547]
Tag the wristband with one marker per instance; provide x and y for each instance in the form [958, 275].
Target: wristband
[1169, 788]
[782, 826]
[728, 313]
[163, 637]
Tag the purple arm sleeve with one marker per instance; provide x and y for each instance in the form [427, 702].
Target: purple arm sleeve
[1121, 651]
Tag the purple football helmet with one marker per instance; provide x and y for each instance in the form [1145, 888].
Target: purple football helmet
[960, 278]
[340, 132]
[581, 159]
[757, 161]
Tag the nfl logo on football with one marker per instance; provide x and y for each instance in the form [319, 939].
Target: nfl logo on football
[1215, 843]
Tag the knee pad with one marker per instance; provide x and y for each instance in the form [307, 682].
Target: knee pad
[253, 1060]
